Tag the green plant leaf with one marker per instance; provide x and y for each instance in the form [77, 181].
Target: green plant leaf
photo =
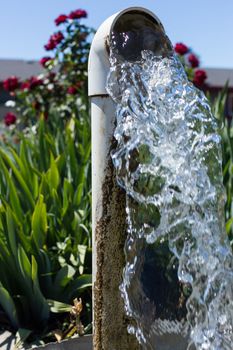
[8, 306]
[67, 194]
[58, 307]
[78, 285]
[228, 225]
[39, 222]
[82, 249]
[14, 199]
[42, 305]
[78, 194]
[18, 177]
[63, 276]
[35, 184]
[23, 166]
[53, 177]
[24, 264]
[11, 231]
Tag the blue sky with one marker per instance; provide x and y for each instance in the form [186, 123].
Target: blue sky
[205, 25]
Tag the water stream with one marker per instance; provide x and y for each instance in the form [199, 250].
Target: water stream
[178, 281]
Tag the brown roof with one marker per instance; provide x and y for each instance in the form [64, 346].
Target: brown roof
[23, 69]
[217, 77]
[20, 68]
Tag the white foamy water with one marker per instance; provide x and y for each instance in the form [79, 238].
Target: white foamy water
[178, 278]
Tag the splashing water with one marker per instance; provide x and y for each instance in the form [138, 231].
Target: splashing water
[178, 278]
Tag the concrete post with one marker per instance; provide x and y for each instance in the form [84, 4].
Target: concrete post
[108, 207]
[109, 234]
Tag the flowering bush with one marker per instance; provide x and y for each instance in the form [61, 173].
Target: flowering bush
[11, 84]
[191, 64]
[62, 89]
[45, 161]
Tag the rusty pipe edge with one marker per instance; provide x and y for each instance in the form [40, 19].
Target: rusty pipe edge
[98, 65]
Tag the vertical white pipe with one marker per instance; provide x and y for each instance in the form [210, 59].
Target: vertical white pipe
[108, 202]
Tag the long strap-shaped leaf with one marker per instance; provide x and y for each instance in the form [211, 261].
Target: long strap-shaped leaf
[8, 305]
[18, 177]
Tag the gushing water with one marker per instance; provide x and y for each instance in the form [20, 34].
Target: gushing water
[178, 279]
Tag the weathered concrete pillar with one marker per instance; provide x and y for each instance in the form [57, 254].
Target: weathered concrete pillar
[108, 207]
[109, 234]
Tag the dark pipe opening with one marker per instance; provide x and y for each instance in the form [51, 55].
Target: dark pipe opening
[136, 31]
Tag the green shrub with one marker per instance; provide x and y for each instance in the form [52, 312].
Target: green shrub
[45, 198]
[45, 234]
[226, 131]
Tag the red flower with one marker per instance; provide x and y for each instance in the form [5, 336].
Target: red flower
[34, 82]
[193, 60]
[199, 77]
[57, 37]
[50, 46]
[181, 49]
[44, 61]
[78, 14]
[54, 40]
[60, 19]
[9, 119]
[25, 85]
[71, 90]
[11, 84]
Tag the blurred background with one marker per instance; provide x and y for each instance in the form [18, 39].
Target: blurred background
[206, 25]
